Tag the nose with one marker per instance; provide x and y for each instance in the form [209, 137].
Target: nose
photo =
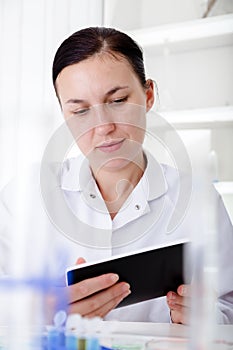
[104, 128]
[103, 121]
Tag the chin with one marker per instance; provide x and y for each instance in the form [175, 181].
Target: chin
[116, 160]
[115, 164]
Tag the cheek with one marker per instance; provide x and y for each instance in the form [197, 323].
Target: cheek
[83, 138]
[135, 133]
[84, 143]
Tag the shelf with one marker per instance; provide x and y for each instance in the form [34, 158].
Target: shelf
[217, 117]
[224, 187]
[196, 34]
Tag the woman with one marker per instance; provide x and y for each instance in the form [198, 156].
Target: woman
[99, 78]
[120, 197]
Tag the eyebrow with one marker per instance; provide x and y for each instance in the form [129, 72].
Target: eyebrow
[109, 93]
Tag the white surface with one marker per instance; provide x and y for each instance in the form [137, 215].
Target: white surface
[200, 118]
[156, 12]
[164, 330]
[228, 201]
[218, 30]
[147, 329]
[225, 188]
[143, 335]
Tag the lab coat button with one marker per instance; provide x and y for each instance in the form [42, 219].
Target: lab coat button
[137, 207]
[92, 195]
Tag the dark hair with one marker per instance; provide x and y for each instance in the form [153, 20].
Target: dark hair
[89, 41]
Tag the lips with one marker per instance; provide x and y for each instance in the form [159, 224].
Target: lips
[111, 146]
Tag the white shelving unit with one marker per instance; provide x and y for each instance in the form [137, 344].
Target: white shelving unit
[195, 57]
[190, 35]
[225, 189]
[191, 62]
[206, 118]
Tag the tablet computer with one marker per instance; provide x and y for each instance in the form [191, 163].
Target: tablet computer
[151, 273]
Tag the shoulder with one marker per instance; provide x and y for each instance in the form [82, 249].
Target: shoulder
[171, 175]
[174, 181]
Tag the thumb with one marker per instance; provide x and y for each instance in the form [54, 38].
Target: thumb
[80, 261]
[184, 290]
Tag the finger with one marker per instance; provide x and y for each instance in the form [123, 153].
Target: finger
[174, 298]
[184, 290]
[180, 315]
[90, 286]
[96, 302]
[80, 261]
[106, 308]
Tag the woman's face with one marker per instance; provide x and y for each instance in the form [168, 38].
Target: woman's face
[104, 105]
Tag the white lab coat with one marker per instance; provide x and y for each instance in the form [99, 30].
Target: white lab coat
[74, 222]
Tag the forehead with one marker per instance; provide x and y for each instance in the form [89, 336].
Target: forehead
[100, 71]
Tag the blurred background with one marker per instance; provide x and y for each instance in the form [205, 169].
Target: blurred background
[188, 49]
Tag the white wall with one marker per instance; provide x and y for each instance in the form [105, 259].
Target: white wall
[30, 32]
[193, 79]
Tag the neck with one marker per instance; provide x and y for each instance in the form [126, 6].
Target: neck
[116, 185]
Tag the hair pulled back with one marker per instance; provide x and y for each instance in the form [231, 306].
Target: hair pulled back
[87, 42]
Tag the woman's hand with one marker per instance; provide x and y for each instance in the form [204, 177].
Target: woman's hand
[179, 304]
[96, 296]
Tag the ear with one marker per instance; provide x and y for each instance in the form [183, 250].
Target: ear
[150, 97]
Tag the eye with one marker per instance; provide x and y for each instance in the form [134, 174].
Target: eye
[81, 112]
[119, 100]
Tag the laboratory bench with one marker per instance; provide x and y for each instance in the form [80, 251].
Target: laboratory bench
[143, 336]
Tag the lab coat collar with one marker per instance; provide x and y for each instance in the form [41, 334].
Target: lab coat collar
[154, 179]
[77, 176]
